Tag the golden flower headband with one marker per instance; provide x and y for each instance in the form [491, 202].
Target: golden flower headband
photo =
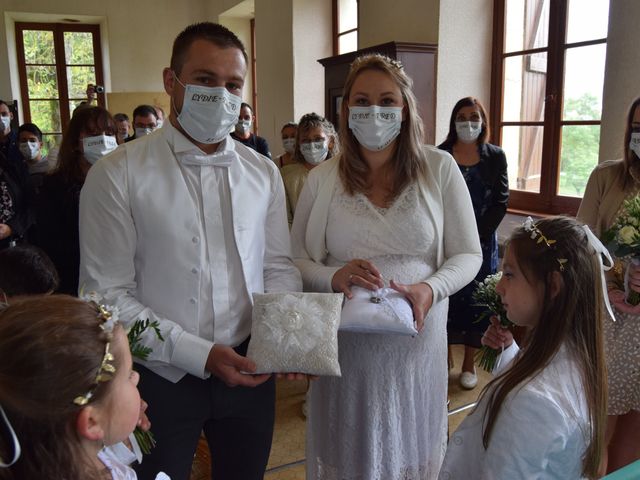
[536, 234]
[109, 317]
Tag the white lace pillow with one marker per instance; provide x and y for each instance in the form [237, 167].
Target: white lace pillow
[295, 332]
[380, 311]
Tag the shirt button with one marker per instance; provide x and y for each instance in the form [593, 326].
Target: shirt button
[457, 439]
[193, 301]
[194, 270]
[195, 239]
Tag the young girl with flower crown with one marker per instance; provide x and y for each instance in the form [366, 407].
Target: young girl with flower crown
[67, 390]
[544, 415]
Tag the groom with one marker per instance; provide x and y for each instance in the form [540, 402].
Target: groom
[182, 226]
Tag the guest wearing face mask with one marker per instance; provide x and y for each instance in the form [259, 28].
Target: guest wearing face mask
[388, 212]
[123, 124]
[316, 141]
[243, 134]
[288, 133]
[15, 198]
[145, 121]
[484, 168]
[8, 137]
[90, 135]
[30, 144]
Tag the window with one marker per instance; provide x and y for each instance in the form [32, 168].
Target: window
[345, 26]
[547, 82]
[56, 62]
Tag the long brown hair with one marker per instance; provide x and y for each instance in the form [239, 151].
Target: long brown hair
[408, 162]
[630, 158]
[452, 136]
[86, 119]
[573, 317]
[51, 348]
[313, 120]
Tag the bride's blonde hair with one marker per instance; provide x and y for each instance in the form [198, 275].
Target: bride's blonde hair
[408, 161]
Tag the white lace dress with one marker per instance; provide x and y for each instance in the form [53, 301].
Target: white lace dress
[385, 418]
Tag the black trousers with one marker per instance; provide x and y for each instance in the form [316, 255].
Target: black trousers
[237, 422]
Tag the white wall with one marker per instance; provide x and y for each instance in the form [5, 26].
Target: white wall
[312, 40]
[274, 64]
[242, 28]
[464, 57]
[622, 75]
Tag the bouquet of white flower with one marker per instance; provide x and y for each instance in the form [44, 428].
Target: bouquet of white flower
[623, 240]
[485, 295]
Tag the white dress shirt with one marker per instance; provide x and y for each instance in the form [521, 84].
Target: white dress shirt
[172, 234]
[541, 432]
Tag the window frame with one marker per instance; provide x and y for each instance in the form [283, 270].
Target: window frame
[58, 29]
[548, 200]
[336, 33]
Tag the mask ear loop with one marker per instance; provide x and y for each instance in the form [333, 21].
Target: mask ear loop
[601, 251]
[14, 438]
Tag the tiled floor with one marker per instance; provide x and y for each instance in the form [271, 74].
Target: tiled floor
[287, 454]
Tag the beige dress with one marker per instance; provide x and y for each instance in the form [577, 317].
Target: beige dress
[293, 176]
[600, 207]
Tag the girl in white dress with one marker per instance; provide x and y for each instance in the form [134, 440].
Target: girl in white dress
[67, 389]
[375, 216]
[544, 416]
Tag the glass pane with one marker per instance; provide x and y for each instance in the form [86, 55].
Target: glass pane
[579, 156]
[347, 15]
[78, 48]
[42, 82]
[78, 78]
[348, 42]
[523, 147]
[583, 82]
[525, 82]
[38, 46]
[526, 24]
[587, 20]
[46, 115]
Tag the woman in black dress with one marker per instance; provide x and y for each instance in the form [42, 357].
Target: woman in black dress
[484, 167]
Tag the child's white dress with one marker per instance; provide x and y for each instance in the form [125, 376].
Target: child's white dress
[117, 459]
[541, 431]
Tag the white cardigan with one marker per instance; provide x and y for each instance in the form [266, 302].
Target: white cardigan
[459, 254]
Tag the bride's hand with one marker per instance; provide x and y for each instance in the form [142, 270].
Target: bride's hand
[420, 296]
[357, 272]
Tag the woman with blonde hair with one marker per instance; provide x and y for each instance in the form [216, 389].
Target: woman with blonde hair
[316, 141]
[370, 218]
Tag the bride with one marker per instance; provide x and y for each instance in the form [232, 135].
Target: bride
[388, 212]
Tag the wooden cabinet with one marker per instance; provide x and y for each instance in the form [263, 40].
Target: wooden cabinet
[420, 63]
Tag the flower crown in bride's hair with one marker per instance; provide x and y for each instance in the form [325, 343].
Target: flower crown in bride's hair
[536, 234]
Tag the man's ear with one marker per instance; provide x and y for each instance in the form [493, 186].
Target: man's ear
[168, 79]
[88, 424]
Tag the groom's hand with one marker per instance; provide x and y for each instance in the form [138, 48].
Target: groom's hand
[227, 365]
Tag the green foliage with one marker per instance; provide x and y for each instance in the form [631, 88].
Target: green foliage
[42, 78]
[580, 144]
[145, 439]
[134, 334]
